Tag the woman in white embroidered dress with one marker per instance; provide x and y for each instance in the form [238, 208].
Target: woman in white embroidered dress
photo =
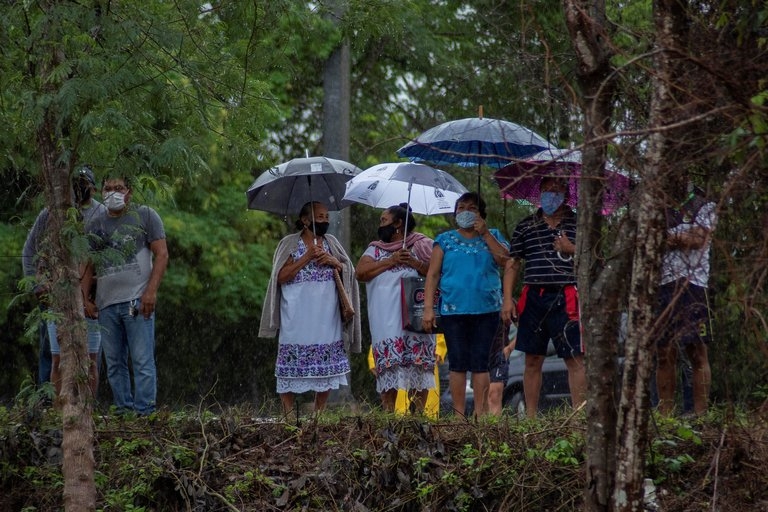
[403, 359]
[302, 305]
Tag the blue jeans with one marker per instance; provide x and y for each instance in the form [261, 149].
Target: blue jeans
[94, 337]
[123, 335]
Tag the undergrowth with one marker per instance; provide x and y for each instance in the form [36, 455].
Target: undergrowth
[201, 460]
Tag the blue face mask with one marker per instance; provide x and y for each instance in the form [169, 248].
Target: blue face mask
[465, 219]
[551, 201]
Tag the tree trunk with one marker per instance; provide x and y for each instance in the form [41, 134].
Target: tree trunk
[75, 397]
[336, 119]
[336, 112]
[662, 173]
[638, 350]
[599, 280]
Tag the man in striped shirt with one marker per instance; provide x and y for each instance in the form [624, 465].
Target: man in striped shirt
[548, 306]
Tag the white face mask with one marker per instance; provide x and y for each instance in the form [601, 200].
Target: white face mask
[115, 201]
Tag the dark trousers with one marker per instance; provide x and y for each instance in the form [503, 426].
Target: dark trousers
[44, 363]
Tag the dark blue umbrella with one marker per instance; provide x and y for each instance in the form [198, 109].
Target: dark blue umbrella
[474, 141]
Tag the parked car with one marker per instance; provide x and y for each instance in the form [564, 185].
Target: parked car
[554, 387]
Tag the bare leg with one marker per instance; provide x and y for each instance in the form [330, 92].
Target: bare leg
[577, 379]
[287, 400]
[321, 397]
[702, 375]
[532, 383]
[666, 375]
[495, 392]
[480, 383]
[388, 399]
[457, 383]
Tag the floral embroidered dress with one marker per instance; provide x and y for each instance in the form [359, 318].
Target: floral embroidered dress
[311, 354]
[404, 359]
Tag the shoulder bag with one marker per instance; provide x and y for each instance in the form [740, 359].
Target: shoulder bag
[412, 303]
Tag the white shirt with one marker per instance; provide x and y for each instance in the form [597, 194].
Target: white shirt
[691, 264]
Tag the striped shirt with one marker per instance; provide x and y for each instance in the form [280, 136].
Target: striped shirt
[533, 241]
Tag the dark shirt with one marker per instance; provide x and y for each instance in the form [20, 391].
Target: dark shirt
[533, 241]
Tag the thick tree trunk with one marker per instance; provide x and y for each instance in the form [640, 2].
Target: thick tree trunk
[66, 299]
[336, 107]
[336, 116]
[615, 468]
[600, 293]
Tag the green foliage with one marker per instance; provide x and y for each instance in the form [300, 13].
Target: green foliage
[220, 261]
[127, 448]
[249, 484]
[10, 273]
[148, 91]
[664, 456]
[562, 452]
[32, 396]
[414, 70]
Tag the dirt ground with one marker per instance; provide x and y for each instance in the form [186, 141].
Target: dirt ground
[196, 461]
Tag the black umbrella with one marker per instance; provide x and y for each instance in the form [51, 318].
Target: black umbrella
[284, 189]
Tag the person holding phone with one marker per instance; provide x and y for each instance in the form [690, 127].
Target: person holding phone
[465, 267]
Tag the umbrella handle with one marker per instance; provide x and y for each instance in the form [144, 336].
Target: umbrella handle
[407, 210]
[312, 210]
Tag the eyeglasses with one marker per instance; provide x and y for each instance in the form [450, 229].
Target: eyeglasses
[116, 188]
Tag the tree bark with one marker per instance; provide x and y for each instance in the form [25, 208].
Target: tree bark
[75, 397]
[336, 121]
[600, 278]
[336, 115]
[638, 350]
[662, 173]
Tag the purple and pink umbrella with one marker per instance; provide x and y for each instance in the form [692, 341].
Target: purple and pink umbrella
[521, 180]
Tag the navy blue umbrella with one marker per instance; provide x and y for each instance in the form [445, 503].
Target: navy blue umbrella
[474, 141]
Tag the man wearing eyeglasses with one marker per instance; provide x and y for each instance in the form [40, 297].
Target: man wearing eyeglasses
[129, 259]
